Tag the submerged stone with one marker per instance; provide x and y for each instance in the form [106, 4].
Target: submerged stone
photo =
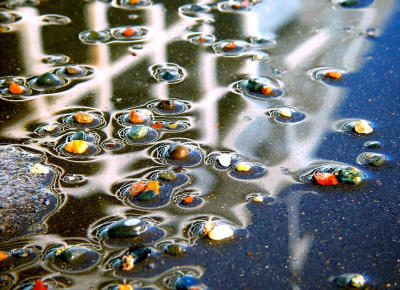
[187, 282]
[141, 254]
[127, 228]
[147, 195]
[48, 80]
[76, 146]
[80, 135]
[178, 151]
[349, 175]
[71, 254]
[174, 249]
[137, 132]
[127, 262]
[166, 105]
[351, 280]
[224, 159]
[168, 175]
[83, 118]
[363, 127]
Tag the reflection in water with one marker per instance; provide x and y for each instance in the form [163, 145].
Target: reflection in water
[216, 120]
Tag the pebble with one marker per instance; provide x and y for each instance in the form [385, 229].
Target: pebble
[137, 188]
[173, 125]
[48, 79]
[220, 232]
[285, 113]
[224, 159]
[168, 175]
[336, 75]
[179, 152]
[137, 132]
[127, 228]
[243, 166]
[127, 262]
[83, 118]
[363, 127]
[39, 169]
[323, 178]
[15, 89]
[166, 105]
[147, 195]
[351, 280]
[77, 146]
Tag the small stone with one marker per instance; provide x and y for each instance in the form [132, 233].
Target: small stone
[83, 118]
[187, 282]
[179, 152]
[127, 262]
[147, 195]
[335, 75]
[129, 32]
[323, 178]
[376, 159]
[258, 198]
[173, 125]
[127, 228]
[77, 146]
[134, 2]
[220, 232]
[141, 254]
[373, 145]
[39, 169]
[229, 46]
[168, 175]
[166, 105]
[80, 135]
[348, 2]
[351, 280]
[3, 256]
[243, 166]
[48, 79]
[71, 70]
[285, 113]
[224, 159]
[50, 128]
[153, 185]
[157, 125]
[39, 285]
[266, 90]
[363, 127]
[188, 199]
[15, 89]
[137, 188]
[94, 35]
[125, 287]
[137, 132]
[174, 249]
[349, 175]
[136, 117]
[71, 254]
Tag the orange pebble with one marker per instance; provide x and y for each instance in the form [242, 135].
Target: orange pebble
[325, 178]
[202, 39]
[77, 146]
[230, 46]
[15, 89]
[133, 2]
[137, 188]
[266, 90]
[135, 117]
[333, 75]
[208, 226]
[125, 287]
[3, 256]
[157, 125]
[153, 185]
[128, 32]
[188, 199]
[83, 118]
[39, 285]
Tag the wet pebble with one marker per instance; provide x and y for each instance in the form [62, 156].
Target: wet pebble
[167, 73]
[48, 80]
[56, 59]
[93, 37]
[174, 249]
[351, 280]
[125, 228]
[372, 159]
[201, 39]
[231, 47]
[373, 145]
[168, 175]
[188, 282]
[258, 87]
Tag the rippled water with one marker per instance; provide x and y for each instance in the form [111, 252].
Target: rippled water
[264, 95]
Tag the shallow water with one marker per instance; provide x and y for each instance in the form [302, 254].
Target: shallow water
[301, 234]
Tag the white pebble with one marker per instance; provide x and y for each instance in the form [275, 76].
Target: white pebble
[220, 232]
[224, 159]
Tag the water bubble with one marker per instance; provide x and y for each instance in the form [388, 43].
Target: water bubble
[194, 10]
[342, 173]
[258, 87]
[201, 39]
[72, 258]
[352, 4]
[179, 154]
[94, 37]
[231, 47]
[56, 59]
[21, 3]
[262, 42]
[328, 75]
[169, 107]
[373, 144]
[167, 73]
[75, 71]
[130, 33]
[372, 159]
[286, 114]
[112, 144]
[138, 134]
[47, 81]
[9, 17]
[54, 19]
[132, 4]
[74, 179]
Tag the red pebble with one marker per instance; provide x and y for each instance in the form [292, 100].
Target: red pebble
[128, 32]
[39, 285]
[325, 178]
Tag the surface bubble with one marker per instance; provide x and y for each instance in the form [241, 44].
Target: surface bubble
[94, 37]
[328, 75]
[54, 19]
[197, 11]
[201, 39]
[167, 73]
[231, 47]
[352, 4]
[56, 59]
[130, 33]
[7, 17]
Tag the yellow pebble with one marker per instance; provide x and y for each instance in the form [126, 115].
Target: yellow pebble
[220, 232]
[258, 198]
[125, 287]
[77, 146]
[358, 281]
[173, 125]
[363, 127]
[285, 113]
[39, 169]
[50, 128]
[241, 166]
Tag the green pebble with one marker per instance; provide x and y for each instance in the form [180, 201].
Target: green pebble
[147, 195]
[174, 249]
[94, 35]
[71, 254]
[137, 132]
[48, 79]
[80, 135]
[376, 160]
[349, 175]
[349, 2]
[168, 175]
[127, 228]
